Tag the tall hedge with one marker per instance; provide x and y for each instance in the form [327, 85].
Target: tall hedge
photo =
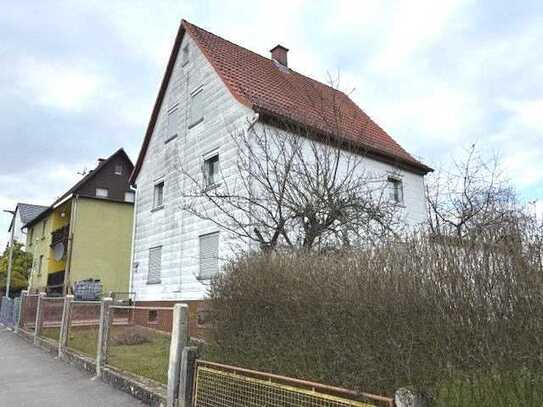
[424, 312]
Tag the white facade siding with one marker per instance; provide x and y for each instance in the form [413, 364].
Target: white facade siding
[178, 233]
[173, 145]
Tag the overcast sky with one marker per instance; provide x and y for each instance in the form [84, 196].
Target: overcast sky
[78, 78]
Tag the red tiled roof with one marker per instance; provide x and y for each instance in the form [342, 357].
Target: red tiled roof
[262, 85]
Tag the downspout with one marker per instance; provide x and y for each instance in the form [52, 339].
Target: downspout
[73, 219]
[132, 244]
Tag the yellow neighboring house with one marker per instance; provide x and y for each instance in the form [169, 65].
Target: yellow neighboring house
[86, 233]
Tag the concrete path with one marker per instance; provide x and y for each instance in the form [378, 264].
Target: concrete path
[31, 377]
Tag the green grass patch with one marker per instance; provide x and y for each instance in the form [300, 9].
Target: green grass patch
[51, 333]
[149, 359]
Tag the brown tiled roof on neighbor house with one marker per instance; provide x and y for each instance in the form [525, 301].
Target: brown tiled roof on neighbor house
[269, 86]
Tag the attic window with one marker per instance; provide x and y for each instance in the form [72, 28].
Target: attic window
[197, 107]
[102, 192]
[118, 170]
[185, 55]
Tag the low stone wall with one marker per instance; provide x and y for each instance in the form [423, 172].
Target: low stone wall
[145, 390]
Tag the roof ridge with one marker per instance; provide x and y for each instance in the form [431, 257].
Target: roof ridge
[263, 57]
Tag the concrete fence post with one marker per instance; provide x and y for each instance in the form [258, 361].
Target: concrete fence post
[103, 335]
[39, 317]
[180, 337]
[186, 376]
[20, 320]
[406, 397]
[65, 324]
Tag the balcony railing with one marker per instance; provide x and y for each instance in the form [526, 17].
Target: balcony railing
[60, 236]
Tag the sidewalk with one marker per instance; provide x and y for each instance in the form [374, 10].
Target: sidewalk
[30, 377]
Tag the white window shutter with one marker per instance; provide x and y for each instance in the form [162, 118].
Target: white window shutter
[209, 256]
[155, 264]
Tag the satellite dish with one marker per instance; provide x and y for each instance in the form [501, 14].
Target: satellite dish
[58, 251]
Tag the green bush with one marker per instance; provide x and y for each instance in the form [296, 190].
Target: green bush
[423, 312]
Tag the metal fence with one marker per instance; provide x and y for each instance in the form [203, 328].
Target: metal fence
[9, 311]
[29, 307]
[83, 327]
[218, 385]
[135, 344]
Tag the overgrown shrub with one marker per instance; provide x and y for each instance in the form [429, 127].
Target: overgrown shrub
[426, 312]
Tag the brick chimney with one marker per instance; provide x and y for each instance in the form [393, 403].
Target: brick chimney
[279, 54]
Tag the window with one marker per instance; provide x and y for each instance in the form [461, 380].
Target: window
[211, 170]
[196, 108]
[395, 190]
[155, 264]
[209, 256]
[102, 192]
[40, 264]
[43, 226]
[158, 196]
[185, 55]
[152, 317]
[129, 196]
[118, 170]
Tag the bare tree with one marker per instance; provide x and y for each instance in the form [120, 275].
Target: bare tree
[473, 196]
[290, 187]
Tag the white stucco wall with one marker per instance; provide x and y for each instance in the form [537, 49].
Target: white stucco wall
[176, 231]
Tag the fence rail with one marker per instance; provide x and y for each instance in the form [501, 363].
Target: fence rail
[129, 338]
[219, 385]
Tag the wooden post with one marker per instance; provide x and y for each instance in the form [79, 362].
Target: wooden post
[103, 335]
[180, 336]
[19, 323]
[65, 324]
[186, 376]
[39, 317]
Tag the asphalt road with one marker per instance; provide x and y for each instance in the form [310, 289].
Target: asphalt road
[30, 377]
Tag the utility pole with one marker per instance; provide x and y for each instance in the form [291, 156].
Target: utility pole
[10, 258]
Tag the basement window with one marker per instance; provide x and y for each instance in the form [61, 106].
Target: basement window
[153, 316]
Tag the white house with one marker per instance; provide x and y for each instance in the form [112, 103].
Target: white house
[212, 87]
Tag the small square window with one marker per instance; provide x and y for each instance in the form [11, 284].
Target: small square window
[102, 192]
[211, 170]
[196, 108]
[395, 188]
[129, 196]
[118, 170]
[153, 316]
[158, 196]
